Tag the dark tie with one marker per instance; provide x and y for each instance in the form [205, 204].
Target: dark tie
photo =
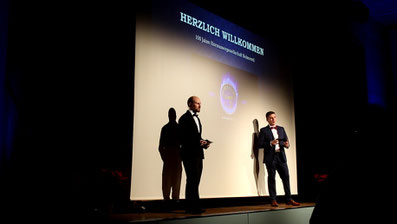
[273, 128]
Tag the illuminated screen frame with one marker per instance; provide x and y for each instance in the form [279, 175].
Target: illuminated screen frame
[183, 50]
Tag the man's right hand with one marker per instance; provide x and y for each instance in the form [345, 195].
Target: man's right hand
[274, 142]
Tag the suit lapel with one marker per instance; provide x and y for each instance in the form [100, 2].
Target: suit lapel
[269, 132]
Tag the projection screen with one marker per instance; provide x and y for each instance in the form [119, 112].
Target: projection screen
[182, 50]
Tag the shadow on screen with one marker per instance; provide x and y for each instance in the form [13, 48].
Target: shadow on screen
[257, 156]
[170, 154]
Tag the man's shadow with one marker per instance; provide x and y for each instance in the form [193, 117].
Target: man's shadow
[257, 156]
[169, 148]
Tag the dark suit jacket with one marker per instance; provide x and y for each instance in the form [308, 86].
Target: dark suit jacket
[190, 137]
[266, 136]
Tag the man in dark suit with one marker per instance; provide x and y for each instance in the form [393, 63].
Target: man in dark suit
[273, 139]
[192, 153]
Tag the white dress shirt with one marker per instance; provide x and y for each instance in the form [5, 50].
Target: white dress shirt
[196, 119]
[275, 135]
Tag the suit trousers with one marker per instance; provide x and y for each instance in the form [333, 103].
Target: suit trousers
[193, 168]
[282, 169]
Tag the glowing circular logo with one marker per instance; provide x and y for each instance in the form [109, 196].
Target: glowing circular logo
[228, 94]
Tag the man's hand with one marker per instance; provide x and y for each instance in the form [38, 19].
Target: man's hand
[286, 144]
[274, 142]
[205, 144]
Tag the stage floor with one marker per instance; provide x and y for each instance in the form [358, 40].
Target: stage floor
[180, 214]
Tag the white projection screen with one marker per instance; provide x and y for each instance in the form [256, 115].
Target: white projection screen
[182, 50]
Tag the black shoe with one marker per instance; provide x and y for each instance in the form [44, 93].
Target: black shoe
[197, 211]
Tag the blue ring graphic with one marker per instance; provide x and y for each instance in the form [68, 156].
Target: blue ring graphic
[228, 94]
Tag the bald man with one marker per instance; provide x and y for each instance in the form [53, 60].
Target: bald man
[192, 153]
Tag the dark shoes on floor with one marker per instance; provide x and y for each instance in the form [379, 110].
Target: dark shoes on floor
[195, 211]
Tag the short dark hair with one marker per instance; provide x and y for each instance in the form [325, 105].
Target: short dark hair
[269, 113]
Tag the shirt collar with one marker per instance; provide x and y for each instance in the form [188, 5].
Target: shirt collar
[191, 111]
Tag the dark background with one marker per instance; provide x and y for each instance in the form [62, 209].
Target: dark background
[67, 105]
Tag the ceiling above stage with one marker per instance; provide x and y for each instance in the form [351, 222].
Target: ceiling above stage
[383, 11]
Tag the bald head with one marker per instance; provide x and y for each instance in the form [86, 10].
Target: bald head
[194, 103]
